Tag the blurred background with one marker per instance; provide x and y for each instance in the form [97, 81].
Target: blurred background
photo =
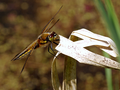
[21, 21]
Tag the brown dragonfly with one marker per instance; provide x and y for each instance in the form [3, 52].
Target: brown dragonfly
[44, 39]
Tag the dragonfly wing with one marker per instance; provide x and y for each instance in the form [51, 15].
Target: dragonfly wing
[45, 28]
[28, 50]
[51, 26]
[26, 61]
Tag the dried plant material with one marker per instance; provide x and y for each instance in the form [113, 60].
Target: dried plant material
[54, 75]
[105, 43]
[77, 51]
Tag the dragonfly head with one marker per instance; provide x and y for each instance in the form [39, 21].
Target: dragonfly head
[53, 37]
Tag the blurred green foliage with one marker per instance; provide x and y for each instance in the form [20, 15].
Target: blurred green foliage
[21, 21]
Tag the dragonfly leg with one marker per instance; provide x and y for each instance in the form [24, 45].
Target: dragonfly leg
[55, 43]
[50, 47]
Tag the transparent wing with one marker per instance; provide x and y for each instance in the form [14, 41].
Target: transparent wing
[26, 51]
[29, 53]
[45, 28]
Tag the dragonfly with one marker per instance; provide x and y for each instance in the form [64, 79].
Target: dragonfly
[46, 38]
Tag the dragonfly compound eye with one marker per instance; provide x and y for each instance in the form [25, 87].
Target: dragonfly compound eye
[52, 36]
